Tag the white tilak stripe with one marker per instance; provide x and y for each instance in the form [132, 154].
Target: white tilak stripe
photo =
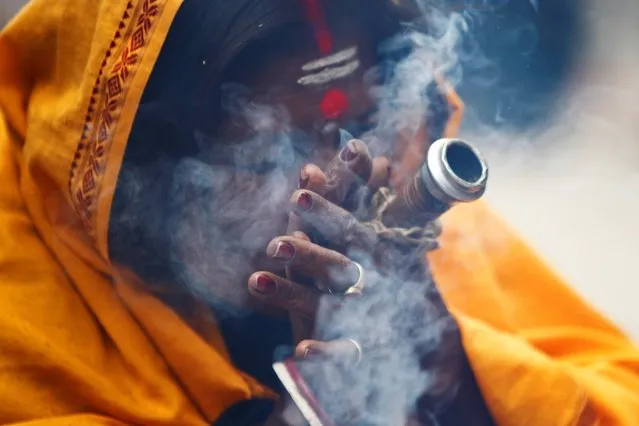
[329, 74]
[335, 58]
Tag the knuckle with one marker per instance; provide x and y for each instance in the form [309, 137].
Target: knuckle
[295, 297]
[285, 292]
[305, 300]
[305, 251]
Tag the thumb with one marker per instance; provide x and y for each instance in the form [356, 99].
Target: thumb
[344, 349]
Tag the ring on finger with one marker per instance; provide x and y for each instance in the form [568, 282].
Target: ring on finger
[358, 347]
[357, 288]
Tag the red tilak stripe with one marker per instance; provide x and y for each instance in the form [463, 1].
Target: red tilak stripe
[315, 15]
[335, 102]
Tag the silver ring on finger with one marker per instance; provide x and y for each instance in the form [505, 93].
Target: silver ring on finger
[358, 348]
[357, 288]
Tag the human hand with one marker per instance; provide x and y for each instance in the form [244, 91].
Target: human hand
[324, 266]
[320, 381]
[312, 253]
[348, 181]
[314, 264]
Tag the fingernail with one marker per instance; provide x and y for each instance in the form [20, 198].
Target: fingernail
[348, 154]
[265, 285]
[303, 180]
[284, 251]
[311, 352]
[305, 201]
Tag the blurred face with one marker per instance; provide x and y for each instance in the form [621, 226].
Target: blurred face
[280, 111]
[301, 93]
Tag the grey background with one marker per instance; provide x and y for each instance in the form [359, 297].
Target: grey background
[576, 199]
[8, 8]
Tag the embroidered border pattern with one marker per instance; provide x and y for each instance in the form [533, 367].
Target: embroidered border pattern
[107, 97]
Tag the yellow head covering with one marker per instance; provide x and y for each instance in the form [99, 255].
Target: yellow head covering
[81, 345]
[75, 338]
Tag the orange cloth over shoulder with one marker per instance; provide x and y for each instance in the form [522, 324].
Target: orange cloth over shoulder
[81, 345]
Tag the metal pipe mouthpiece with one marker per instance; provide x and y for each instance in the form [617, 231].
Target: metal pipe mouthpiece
[454, 172]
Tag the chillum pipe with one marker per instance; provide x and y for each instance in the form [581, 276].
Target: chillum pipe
[454, 172]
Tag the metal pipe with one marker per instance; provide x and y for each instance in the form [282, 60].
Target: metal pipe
[454, 172]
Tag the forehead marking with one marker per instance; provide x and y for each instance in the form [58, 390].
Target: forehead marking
[329, 74]
[334, 104]
[315, 15]
[332, 59]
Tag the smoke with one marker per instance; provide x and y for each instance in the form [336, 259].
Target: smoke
[412, 350]
[224, 204]
[230, 200]
[566, 185]
[399, 327]
[412, 346]
[416, 61]
[585, 156]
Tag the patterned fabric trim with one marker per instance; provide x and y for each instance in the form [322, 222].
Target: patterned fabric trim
[120, 63]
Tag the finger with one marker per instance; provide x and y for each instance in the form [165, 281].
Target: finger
[313, 179]
[294, 226]
[284, 294]
[301, 327]
[380, 173]
[339, 227]
[344, 349]
[350, 169]
[300, 236]
[358, 159]
[328, 269]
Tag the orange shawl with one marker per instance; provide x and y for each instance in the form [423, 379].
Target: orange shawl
[82, 345]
